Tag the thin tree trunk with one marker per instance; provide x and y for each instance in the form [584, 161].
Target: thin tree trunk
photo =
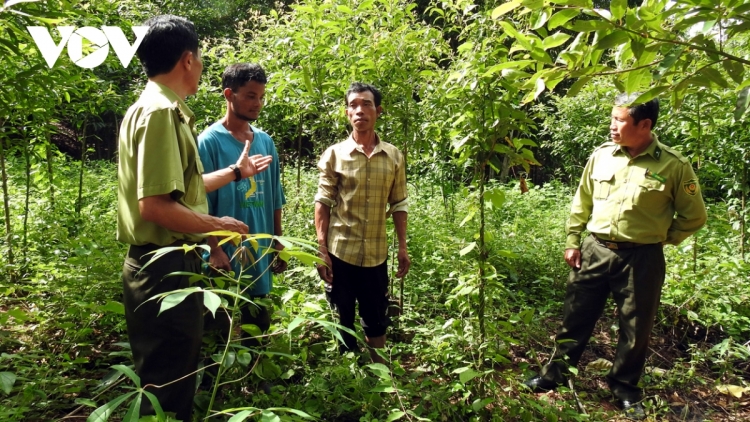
[6, 207]
[79, 201]
[50, 172]
[744, 208]
[299, 154]
[26, 210]
[482, 258]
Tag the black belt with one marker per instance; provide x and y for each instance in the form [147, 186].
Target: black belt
[619, 245]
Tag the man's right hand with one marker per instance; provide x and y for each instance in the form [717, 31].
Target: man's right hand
[326, 271]
[219, 259]
[573, 258]
[232, 224]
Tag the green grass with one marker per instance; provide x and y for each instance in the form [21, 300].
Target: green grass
[62, 318]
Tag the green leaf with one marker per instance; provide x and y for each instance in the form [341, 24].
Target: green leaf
[394, 416]
[734, 69]
[134, 411]
[743, 101]
[211, 301]
[651, 93]
[523, 40]
[128, 372]
[103, 413]
[268, 416]
[467, 375]
[518, 64]
[7, 379]
[540, 17]
[611, 40]
[562, 17]
[241, 416]
[380, 370]
[669, 60]
[479, 404]
[555, 40]
[505, 8]
[589, 26]
[173, 299]
[618, 8]
[577, 85]
[295, 323]
[496, 197]
[467, 249]
[155, 404]
[113, 307]
[715, 76]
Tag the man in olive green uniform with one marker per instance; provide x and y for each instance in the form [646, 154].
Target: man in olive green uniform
[636, 195]
[162, 202]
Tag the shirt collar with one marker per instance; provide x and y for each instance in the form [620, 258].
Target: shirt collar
[351, 145]
[654, 149]
[155, 87]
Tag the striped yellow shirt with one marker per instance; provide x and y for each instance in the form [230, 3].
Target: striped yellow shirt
[362, 192]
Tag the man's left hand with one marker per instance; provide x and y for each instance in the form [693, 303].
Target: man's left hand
[403, 263]
[252, 165]
[279, 265]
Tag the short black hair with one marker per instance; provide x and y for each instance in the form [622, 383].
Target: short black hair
[647, 110]
[360, 87]
[167, 39]
[237, 75]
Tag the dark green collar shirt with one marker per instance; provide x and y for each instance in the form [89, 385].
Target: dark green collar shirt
[652, 198]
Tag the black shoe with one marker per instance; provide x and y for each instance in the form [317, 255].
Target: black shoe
[540, 385]
[633, 410]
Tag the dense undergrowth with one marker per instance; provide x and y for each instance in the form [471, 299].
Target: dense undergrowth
[63, 329]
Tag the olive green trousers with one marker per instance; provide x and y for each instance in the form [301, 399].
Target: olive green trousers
[166, 347]
[634, 277]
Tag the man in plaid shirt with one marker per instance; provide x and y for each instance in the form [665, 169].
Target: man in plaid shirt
[362, 182]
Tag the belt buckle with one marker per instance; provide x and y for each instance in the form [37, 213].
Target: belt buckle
[611, 245]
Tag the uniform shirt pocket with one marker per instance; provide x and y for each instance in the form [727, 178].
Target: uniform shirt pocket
[603, 182]
[648, 191]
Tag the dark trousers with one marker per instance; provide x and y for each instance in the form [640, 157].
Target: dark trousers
[634, 277]
[367, 286]
[166, 347]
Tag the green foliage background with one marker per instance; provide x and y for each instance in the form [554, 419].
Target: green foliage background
[477, 95]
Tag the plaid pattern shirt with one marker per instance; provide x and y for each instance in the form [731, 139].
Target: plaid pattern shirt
[358, 189]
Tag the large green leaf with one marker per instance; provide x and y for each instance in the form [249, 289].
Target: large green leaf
[7, 379]
[562, 17]
[555, 40]
[715, 76]
[103, 413]
[505, 8]
[611, 40]
[618, 8]
[741, 106]
[651, 93]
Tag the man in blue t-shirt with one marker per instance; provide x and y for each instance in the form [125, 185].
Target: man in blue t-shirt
[256, 200]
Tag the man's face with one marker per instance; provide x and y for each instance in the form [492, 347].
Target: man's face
[624, 132]
[361, 110]
[247, 101]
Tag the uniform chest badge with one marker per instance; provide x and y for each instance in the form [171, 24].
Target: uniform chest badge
[691, 187]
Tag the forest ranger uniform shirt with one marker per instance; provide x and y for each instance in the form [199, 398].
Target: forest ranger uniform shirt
[252, 200]
[158, 155]
[362, 192]
[652, 198]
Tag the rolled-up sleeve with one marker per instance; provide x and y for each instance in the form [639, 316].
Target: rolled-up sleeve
[397, 199]
[328, 179]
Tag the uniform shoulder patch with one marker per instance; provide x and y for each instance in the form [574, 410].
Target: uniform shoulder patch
[691, 186]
